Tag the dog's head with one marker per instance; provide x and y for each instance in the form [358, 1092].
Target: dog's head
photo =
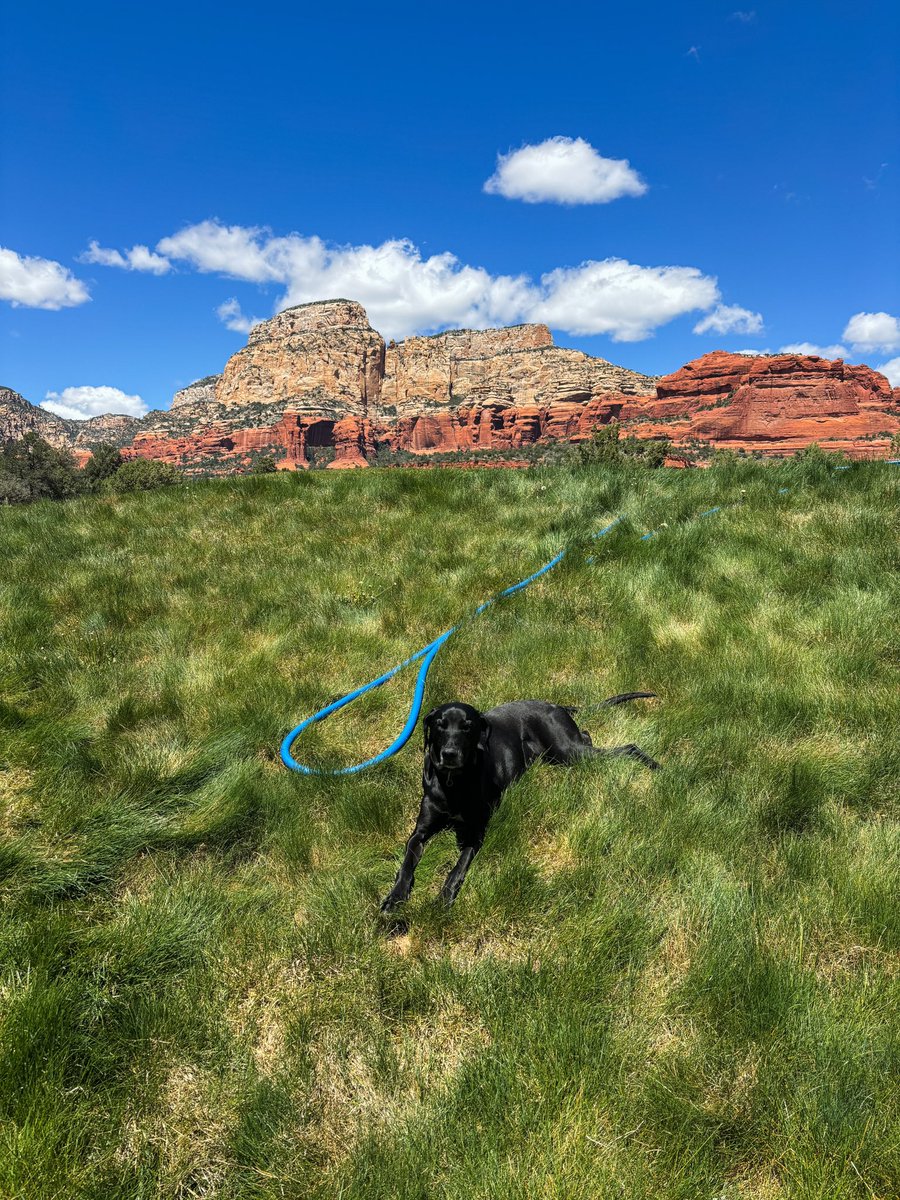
[454, 735]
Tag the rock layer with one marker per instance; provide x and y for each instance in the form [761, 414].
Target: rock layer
[199, 393]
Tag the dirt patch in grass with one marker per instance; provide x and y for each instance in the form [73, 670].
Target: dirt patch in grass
[361, 1085]
[185, 1136]
[553, 854]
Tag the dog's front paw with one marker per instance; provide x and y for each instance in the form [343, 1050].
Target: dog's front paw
[396, 929]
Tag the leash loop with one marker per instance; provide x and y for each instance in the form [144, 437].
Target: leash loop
[427, 654]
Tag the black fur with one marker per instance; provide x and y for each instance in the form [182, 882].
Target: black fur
[471, 758]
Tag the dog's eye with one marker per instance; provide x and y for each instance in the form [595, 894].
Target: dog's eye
[467, 726]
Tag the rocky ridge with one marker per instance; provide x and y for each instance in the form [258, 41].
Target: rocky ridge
[316, 382]
[19, 417]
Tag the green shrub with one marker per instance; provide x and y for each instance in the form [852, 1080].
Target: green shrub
[607, 448]
[264, 465]
[37, 471]
[814, 454]
[105, 460]
[142, 475]
[13, 490]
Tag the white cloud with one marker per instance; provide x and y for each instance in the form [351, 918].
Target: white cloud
[891, 370]
[744, 16]
[233, 250]
[38, 283]
[402, 292]
[563, 170]
[405, 293]
[138, 258]
[621, 299]
[752, 353]
[810, 348]
[873, 331]
[730, 318]
[79, 403]
[231, 316]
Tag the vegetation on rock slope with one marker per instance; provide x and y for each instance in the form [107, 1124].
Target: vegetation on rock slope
[671, 985]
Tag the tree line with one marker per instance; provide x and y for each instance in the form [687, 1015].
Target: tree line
[32, 469]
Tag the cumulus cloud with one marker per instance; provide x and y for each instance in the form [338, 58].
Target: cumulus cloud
[138, 258]
[810, 348]
[402, 292]
[79, 403]
[231, 316]
[873, 331]
[621, 299]
[243, 252]
[730, 318]
[891, 369]
[563, 170]
[405, 293]
[38, 282]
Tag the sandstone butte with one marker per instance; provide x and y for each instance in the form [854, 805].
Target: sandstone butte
[317, 381]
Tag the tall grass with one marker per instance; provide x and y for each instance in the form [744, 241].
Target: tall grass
[674, 985]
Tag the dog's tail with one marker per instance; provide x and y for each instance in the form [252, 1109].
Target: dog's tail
[624, 697]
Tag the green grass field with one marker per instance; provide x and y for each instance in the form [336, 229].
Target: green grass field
[681, 984]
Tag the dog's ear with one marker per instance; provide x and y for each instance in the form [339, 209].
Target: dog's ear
[428, 727]
[484, 735]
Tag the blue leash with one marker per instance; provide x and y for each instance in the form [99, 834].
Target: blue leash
[428, 654]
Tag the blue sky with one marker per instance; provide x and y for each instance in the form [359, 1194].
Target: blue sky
[657, 169]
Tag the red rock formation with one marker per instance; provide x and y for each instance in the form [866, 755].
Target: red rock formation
[317, 381]
[353, 443]
[776, 404]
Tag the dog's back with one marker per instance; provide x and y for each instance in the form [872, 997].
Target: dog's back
[537, 729]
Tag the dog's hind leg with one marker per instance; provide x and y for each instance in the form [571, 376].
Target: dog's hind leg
[403, 884]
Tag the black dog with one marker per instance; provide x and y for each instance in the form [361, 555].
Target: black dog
[471, 758]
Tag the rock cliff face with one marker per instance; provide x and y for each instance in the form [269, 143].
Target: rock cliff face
[773, 403]
[317, 384]
[420, 372]
[198, 394]
[114, 428]
[321, 358]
